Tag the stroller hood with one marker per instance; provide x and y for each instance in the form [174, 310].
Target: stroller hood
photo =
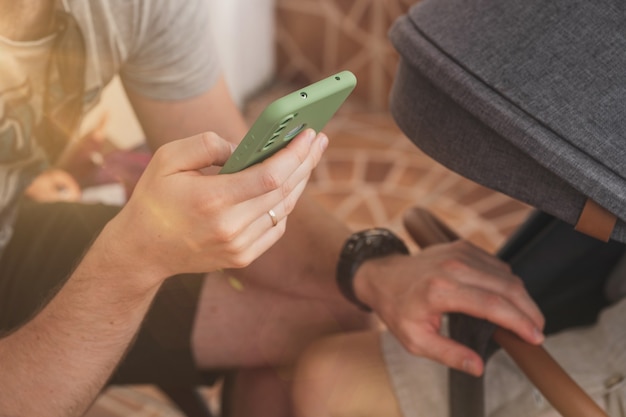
[527, 98]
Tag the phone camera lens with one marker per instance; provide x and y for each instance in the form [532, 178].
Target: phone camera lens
[293, 132]
[303, 95]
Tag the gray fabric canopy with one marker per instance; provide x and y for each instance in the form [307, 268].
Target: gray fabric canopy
[526, 97]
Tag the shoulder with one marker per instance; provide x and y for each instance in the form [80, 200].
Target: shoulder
[138, 22]
[161, 48]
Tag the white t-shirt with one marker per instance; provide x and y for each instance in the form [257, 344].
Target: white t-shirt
[161, 49]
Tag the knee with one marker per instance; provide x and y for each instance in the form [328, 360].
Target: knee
[315, 378]
[343, 376]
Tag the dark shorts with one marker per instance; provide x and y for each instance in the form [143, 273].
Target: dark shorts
[49, 239]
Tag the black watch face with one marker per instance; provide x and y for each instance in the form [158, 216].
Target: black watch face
[359, 247]
[372, 243]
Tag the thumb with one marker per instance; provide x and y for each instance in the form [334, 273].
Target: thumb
[192, 153]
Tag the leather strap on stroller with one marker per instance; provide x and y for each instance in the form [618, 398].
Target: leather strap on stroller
[596, 221]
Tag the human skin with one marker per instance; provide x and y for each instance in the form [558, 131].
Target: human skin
[75, 342]
[295, 278]
[290, 294]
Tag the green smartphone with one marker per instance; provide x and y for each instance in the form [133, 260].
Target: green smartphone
[282, 120]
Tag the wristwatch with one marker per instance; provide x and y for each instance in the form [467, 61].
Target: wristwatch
[361, 246]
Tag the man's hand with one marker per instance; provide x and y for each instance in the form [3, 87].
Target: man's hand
[54, 185]
[179, 220]
[411, 294]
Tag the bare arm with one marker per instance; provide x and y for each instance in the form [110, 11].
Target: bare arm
[177, 220]
[212, 111]
[57, 363]
[410, 293]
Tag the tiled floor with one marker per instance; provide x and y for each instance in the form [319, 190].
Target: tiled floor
[370, 175]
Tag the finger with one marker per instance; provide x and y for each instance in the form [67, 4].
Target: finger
[514, 291]
[255, 246]
[286, 198]
[281, 204]
[470, 265]
[252, 214]
[192, 153]
[490, 306]
[502, 283]
[288, 204]
[448, 352]
[306, 149]
[263, 221]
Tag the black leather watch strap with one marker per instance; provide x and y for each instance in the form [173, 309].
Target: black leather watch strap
[361, 246]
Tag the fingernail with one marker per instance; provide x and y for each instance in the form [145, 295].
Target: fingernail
[469, 366]
[310, 135]
[538, 335]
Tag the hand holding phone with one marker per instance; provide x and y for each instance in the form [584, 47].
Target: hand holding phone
[282, 120]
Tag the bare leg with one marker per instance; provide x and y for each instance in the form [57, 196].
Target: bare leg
[344, 376]
[258, 391]
[263, 332]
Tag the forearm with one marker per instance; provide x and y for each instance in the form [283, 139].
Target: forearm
[57, 363]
